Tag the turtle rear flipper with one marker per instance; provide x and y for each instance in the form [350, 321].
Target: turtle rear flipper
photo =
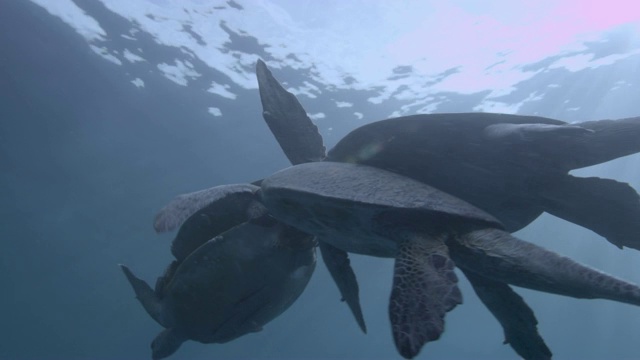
[166, 343]
[498, 255]
[517, 319]
[337, 262]
[607, 207]
[424, 290]
[145, 294]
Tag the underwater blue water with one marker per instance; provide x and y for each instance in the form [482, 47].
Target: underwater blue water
[86, 160]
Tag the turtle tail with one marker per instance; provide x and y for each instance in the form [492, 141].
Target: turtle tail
[500, 256]
[146, 295]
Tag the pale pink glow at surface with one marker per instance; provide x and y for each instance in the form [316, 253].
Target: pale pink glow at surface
[520, 32]
[490, 44]
[600, 15]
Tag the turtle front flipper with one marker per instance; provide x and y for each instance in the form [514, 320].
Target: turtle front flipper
[297, 135]
[424, 290]
[607, 207]
[337, 262]
[517, 319]
[145, 295]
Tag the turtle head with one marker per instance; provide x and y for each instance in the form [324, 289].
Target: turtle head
[166, 343]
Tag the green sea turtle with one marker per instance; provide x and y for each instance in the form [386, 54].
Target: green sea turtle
[301, 142]
[514, 167]
[362, 209]
[236, 268]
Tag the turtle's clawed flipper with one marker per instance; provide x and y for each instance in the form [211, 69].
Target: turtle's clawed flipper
[297, 135]
[166, 343]
[607, 207]
[517, 319]
[424, 290]
[145, 294]
[337, 262]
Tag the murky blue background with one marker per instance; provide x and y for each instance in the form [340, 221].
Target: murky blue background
[86, 159]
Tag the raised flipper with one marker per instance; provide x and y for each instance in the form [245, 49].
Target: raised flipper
[297, 135]
[498, 255]
[337, 262]
[301, 142]
[533, 132]
[607, 207]
[424, 290]
[145, 295]
[517, 319]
